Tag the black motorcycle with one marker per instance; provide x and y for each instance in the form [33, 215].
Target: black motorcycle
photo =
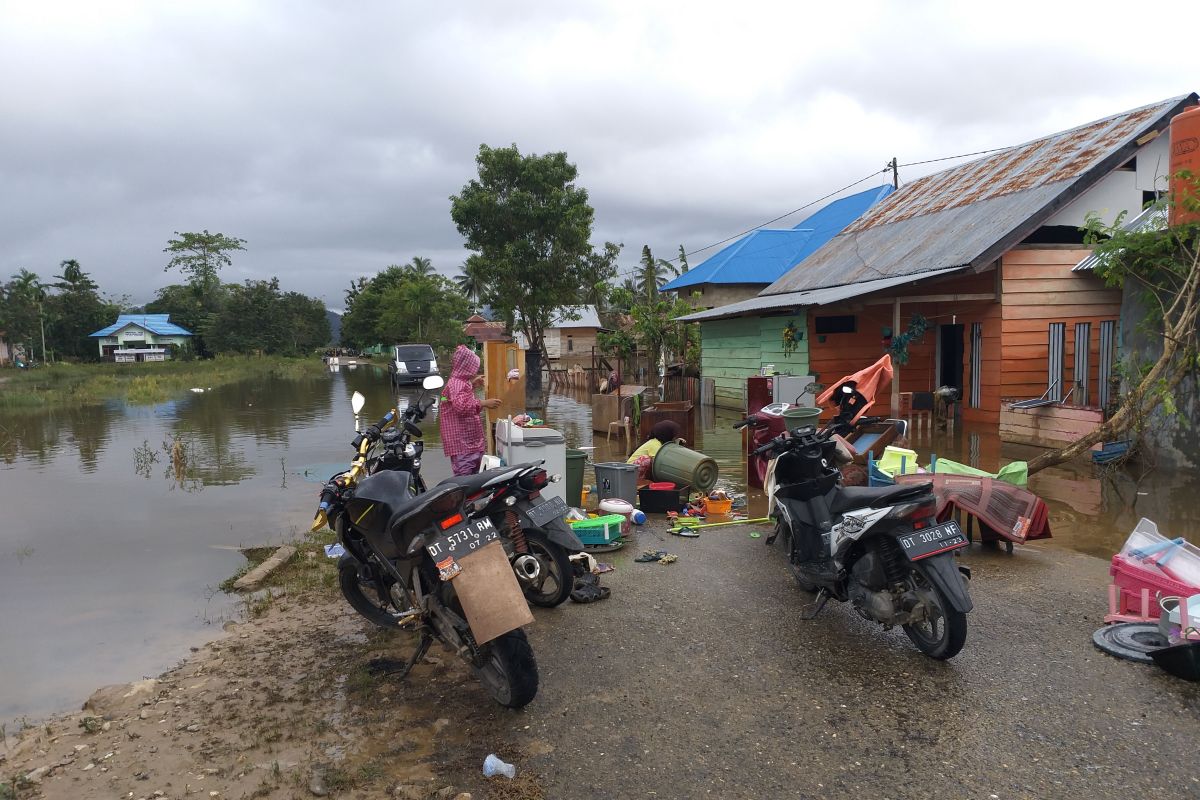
[421, 561]
[881, 549]
[538, 542]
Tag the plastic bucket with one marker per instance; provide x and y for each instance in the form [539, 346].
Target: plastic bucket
[616, 479]
[800, 416]
[681, 466]
[576, 459]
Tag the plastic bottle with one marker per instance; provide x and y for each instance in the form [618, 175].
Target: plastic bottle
[638, 517]
[493, 765]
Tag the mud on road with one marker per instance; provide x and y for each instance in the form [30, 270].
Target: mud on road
[696, 678]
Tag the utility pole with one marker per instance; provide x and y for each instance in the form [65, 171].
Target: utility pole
[895, 173]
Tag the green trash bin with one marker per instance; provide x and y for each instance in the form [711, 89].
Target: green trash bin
[800, 416]
[684, 467]
[576, 459]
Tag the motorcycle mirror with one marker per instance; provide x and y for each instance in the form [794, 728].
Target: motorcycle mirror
[357, 401]
[433, 382]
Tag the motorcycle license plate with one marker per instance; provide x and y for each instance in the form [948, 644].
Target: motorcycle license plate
[554, 508]
[932, 541]
[460, 542]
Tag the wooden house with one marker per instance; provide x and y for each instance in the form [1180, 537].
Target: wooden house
[983, 255]
[572, 342]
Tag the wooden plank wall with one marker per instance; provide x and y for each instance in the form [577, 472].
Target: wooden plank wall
[1048, 426]
[1038, 288]
[736, 349]
[845, 353]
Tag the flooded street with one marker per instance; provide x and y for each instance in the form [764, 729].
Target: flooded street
[122, 520]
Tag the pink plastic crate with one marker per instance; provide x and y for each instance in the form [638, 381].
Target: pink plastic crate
[1136, 587]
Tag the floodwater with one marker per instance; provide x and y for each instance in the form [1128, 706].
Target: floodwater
[120, 520]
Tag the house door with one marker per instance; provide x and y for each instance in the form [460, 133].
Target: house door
[950, 357]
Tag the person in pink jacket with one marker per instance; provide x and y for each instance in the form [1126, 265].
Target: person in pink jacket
[458, 414]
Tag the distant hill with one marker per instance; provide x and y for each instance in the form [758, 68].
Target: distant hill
[335, 327]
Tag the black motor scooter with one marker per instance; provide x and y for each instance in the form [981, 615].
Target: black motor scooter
[881, 549]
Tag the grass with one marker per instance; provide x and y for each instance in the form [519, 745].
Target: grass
[140, 384]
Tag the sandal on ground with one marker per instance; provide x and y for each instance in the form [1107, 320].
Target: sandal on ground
[651, 555]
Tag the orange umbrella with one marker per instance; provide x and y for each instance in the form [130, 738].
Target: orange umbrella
[869, 382]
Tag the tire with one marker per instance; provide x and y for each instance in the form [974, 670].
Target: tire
[943, 637]
[782, 532]
[510, 675]
[363, 598]
[558, 576]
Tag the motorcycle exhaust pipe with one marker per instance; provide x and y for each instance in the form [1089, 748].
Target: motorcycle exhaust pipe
[527, 568]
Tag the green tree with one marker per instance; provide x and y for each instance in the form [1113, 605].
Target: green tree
[258, 317]
[21, 307]
[199, 256]
[530, 226]
[652, 273]
[74, 311]
[468, 281]
[192, 310]
[683, 262]
[421, 267]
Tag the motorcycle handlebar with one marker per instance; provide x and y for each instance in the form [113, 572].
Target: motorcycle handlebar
[771, 445]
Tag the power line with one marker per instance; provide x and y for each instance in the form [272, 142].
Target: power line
[951, 158]
[776, 219]
[891, 166]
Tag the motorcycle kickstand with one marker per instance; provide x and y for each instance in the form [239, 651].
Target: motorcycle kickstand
[822, 599]
[418, 654]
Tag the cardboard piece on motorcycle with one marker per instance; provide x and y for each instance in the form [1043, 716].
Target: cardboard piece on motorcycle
[490, 595]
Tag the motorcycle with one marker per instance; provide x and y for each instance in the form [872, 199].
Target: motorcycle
[419, 561]
[538, 542]
[880, 549]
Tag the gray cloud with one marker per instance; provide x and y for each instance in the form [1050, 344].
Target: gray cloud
[330, 137]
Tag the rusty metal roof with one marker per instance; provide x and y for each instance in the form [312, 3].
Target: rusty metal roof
[970, 214]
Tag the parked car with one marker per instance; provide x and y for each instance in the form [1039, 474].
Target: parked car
[411, 363]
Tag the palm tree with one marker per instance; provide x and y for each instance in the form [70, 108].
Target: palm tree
[421, 267]
[468, 281]
[654, 273]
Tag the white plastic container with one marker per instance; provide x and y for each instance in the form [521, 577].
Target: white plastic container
[517, 445]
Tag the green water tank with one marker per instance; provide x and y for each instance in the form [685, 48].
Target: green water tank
[684, 467]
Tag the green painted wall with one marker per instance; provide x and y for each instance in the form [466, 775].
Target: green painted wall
[735, 349]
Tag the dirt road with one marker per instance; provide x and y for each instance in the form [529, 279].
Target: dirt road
[694, 679]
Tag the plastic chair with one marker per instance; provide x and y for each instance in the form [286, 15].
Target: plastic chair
[622, 426]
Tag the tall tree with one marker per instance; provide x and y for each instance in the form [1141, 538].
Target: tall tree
[74, 311]
[530, 226]
[421, 267]
[21, 307]
[653, 273]
[683, 264]
[199, 256]
[468, 281]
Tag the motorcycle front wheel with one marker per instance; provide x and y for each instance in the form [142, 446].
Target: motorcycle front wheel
[509, 672]
[557, 578]
[943, 632]
[363, 596]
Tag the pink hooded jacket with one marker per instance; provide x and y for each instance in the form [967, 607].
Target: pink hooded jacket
[458, 415]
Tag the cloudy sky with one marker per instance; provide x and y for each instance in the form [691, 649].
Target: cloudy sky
[331, 135]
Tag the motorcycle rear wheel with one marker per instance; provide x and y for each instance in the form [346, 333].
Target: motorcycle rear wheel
[944, 633]
[509, 673]
[363, 597]
[558, 576]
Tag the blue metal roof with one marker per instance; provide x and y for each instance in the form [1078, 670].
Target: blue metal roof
[764, 256]
[158, 324]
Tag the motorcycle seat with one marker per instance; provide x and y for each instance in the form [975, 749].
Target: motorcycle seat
[477, 481]
[849, 498]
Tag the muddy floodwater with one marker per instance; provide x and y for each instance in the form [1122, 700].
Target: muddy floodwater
[120, 521]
